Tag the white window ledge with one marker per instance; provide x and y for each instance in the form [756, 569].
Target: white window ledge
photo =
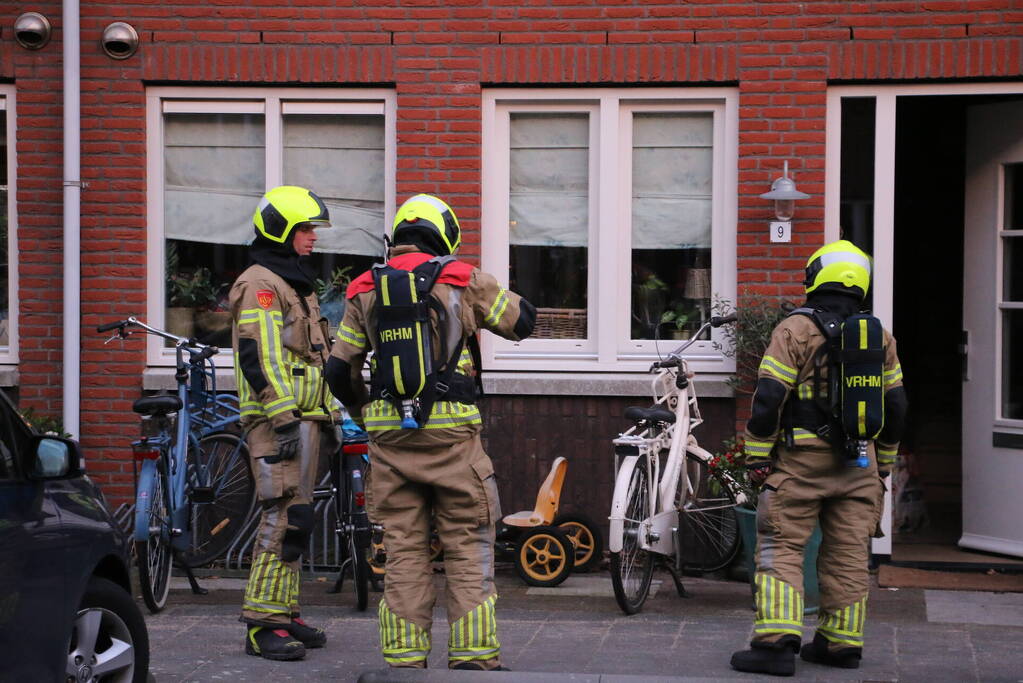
[8, 375]
[512, 383]
[591, 384]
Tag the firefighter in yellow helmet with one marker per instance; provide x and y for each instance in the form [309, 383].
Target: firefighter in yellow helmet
[280, 347]
[795, 447]
[427, 462]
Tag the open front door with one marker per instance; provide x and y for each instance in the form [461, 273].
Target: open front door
[993, 323]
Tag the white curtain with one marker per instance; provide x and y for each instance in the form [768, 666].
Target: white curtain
[672, 165]
[549, 180]
[214, 176]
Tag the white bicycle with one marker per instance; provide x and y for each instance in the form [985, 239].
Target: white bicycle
[668, 506]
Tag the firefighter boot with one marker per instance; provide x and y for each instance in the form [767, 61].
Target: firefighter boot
[818, 652]
[271, 643]
[778, 658]
[309, 636]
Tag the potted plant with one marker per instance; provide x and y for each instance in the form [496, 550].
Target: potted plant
[331, 294]
[679, 319]
[190, 295]
[648, 295]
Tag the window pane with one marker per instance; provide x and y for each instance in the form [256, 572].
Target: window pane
[1012, 269]
[549, 219]
[672, 182]
[5, 265]
[1012, 364]
[213, 179]
[341, 159]
[1013, 197]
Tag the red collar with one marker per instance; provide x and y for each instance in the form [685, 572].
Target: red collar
[455, 273]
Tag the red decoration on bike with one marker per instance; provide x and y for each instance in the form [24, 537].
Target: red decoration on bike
[265, 298]
[355, 449]
[360, 498]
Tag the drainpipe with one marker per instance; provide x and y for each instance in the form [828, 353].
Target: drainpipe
[72, 217]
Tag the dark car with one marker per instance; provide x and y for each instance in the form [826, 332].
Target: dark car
[66, 611]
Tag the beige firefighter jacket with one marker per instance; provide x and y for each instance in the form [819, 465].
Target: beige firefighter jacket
[788, 360]
[280, 347]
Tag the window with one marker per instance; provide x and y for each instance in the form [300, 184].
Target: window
[212, 156]
[8, 231]
[614, 213]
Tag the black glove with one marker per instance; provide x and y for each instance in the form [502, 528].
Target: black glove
[289, 441]
[759, 469]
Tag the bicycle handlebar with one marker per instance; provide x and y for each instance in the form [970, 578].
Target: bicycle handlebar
[121, 326]
[674, 358]
[112, 326]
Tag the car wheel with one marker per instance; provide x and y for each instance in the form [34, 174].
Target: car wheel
[109, 641]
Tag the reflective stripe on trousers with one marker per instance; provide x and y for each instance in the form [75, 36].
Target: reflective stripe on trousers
[401, 641]
[779, 608]
[272, 587]
[844, 626]
[474, 636]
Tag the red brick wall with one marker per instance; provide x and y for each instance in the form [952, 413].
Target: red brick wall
[438, 55]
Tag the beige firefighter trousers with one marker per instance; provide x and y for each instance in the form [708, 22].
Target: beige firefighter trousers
[806, 487]
[284, 490]
[453, 488]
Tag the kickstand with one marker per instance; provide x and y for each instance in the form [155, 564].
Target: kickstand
[340, 577]
[678, 581]
[196, 588]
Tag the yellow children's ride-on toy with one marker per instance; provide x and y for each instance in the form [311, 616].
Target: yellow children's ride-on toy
[545, 546]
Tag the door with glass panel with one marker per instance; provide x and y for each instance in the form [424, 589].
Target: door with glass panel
[993, 324]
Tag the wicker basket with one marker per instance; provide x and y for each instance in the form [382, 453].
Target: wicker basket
[560, 323]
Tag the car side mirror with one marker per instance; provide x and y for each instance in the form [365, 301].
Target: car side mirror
[54, 458]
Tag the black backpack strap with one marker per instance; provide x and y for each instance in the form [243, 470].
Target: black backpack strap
[830, 325]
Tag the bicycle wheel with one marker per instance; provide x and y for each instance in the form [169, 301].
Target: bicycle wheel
[358, 543]
[152, 540]
[708, 529]
[633, 568]
[360, 573]
[222, 494]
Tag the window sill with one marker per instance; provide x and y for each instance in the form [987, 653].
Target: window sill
[511, 383]
[8, 375]
[162, 379]
[591, 384]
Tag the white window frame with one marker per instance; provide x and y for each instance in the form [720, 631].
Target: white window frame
[608, 347]
[7, 102]
[273, 103]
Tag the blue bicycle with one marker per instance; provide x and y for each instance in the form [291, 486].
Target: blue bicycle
[194, 488]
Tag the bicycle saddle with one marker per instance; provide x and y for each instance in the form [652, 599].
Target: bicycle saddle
[157, 405]
[655, 414]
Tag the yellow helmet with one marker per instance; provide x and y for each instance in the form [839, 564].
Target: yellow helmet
[284, 207]
[838, 267]
[430, 219]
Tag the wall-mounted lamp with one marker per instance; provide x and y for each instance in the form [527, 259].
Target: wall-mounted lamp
[32, 30]
[784, 193]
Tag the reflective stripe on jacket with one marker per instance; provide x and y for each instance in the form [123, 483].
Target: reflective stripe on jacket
[280, 344]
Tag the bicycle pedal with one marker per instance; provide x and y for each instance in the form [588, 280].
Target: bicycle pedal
[202, 494]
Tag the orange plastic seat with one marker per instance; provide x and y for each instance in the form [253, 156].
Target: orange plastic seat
[547, 499]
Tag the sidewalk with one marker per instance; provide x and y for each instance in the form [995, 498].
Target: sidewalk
[577, 633]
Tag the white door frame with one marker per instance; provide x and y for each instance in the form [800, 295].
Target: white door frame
[884, 193]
